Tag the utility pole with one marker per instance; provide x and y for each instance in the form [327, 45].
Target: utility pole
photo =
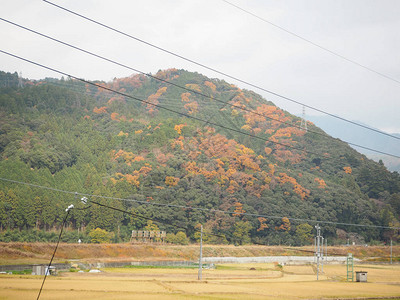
[322, 254]
[391, 251]
[315, 249]
[319, 239]
[201, 253]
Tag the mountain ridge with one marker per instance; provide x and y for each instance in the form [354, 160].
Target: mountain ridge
[78, 136]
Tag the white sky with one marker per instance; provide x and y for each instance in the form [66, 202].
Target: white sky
[220, 36]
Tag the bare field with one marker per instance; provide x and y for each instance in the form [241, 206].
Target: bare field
[34, 253]
[229, 281]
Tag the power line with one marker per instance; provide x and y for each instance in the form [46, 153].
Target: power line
[200, 208]
[162, 107]
[220, 72]
[54, 253]
[194, 91]
[312, 43]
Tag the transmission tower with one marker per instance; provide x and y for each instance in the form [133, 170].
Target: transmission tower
[319, 250]
[20, 82]
[303, 124]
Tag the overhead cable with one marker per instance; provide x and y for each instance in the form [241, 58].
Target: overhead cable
[220, 72]
[163, 107]
[313, 43]
[201, 208]
[191, 90]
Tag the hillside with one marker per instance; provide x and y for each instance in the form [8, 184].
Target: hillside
[187, 153]
[364, 138]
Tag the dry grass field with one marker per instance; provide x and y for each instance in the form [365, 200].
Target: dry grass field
[227, 281]
[34, 253]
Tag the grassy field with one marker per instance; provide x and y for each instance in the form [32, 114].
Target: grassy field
[227, 281]
[34, 253]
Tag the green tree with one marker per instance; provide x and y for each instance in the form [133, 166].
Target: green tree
[304, 233]
[100, 236]
[181, 238]
[241, 234]
[151, 226]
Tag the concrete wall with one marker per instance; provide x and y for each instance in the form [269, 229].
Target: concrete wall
[278, 259]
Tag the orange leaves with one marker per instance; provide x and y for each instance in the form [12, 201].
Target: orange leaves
[178, 142]
[210, 85]
[241, 149]
[348, 170]
[288, 132]
[163, 158]
[285, 226]
[271, 168]
[246, 127]
[178, 128]
[185, 97]
[138, 131]
[253, 118]
[192, 168]
[116, 99]
[233, 187]
[193, 86]
[297, 188]
[153, 100]
[263, 225]
[169, 74]
[138, 158]
[101, 110]
[215, 145]
[284, 155]
[267, 150]
[171, 181]
[239, 211]
[121, 133]
[192, 107]
[128, 157]
[145, 169]
[130, 178]
[321, 183]
[114, 116]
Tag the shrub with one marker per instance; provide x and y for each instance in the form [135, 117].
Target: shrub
[99, 236]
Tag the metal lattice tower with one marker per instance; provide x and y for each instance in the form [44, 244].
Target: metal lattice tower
[350, 267]
[319, 252]
[303, 124]
[20, 82]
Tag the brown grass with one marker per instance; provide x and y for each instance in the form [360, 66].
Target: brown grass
[28, 253]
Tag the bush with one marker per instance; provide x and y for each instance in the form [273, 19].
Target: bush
[100, 236]
[180, 238]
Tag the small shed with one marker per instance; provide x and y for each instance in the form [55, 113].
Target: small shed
[361, 276]
[51, 270]
[38, 270]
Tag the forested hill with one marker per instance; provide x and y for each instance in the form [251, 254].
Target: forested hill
[191, 150]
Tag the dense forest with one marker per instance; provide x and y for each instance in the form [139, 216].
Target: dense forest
[177, 158]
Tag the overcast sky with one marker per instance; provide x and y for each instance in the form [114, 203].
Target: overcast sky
[225, 38]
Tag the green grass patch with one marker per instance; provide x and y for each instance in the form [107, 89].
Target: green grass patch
[23, 272]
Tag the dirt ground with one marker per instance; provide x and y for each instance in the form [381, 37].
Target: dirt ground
[227, 281]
